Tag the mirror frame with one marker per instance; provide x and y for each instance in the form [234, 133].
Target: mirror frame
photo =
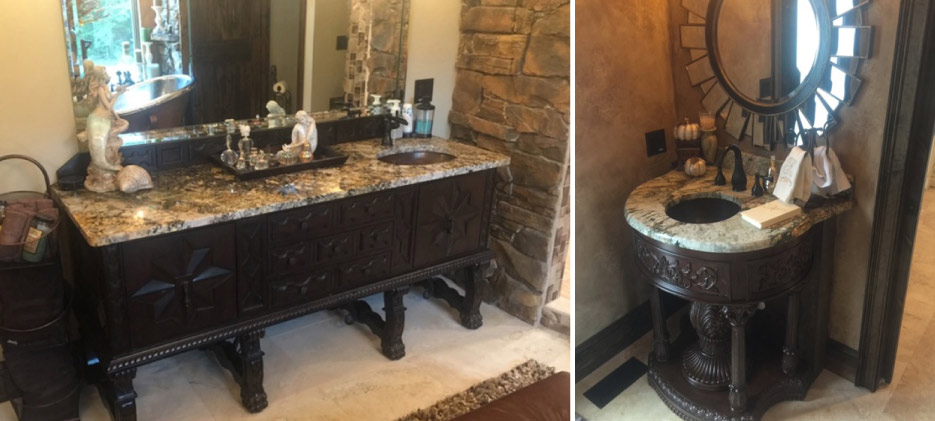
[769, 123]
[802, 93]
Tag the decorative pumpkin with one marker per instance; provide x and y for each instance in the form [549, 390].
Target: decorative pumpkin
[695, 167]
[687, 131]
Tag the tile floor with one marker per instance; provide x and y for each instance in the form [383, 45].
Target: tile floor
[911, 395]
[317, 368]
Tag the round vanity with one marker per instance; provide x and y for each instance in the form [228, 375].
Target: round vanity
[691, 242]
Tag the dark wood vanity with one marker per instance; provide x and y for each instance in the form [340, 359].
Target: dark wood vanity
[219, 285]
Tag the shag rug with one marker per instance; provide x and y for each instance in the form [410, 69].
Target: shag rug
[483, 393]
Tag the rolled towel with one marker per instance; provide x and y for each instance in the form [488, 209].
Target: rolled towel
[13, 234]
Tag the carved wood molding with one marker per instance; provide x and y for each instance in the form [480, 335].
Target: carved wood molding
[786, 269]
[136, 359]
[680, 271]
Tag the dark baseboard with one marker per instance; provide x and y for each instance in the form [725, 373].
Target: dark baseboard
[610, 341]
[841, 359]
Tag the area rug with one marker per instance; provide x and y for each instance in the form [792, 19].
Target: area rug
[483, 393]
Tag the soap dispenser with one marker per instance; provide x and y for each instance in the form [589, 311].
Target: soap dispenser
[425, 116]
[395, 111]
[376, 108]
[407, 115]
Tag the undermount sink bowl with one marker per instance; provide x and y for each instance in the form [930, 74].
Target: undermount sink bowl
[416, 158]
[703, 210]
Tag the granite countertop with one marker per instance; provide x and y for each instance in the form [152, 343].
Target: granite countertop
[646, 213]
[202, 195]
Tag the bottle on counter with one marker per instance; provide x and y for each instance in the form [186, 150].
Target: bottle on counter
[395, 111]
[407, 115]
[376, 108]
[770, 180]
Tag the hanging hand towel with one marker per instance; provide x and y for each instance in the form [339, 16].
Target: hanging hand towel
[828, 175]
[795, 177]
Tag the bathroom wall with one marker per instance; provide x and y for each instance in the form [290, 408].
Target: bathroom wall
[623, 89]
[284, 22]
[328, 64]
[433, 50]
[512, 95]
[35, 108]
[857, 142]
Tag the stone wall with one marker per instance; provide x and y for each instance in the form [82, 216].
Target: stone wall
[376, 49]
[512, 95]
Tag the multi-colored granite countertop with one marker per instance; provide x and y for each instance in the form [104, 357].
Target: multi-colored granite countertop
[204, 194]
[646, 213]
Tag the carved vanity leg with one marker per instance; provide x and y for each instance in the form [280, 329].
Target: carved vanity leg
[706, 364]
[790, 353]
[470, 312]
[120, 395]
[468, 306]
[244, 359]
[660, 331]
[392, 335]
[251, 387]
[390, 331]
[738, 316]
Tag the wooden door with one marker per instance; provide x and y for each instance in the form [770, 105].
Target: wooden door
[230, 58]
[449, 218]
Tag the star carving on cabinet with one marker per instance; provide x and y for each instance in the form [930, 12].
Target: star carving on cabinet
[182, 283]
[450, 218]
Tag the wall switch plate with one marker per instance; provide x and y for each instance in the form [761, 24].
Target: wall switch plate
[655, 142]
[423, 89]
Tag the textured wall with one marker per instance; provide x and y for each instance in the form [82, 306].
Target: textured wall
[512, 95]
[376, 57]
[857, 142]
[623, 88]
[433, 50]
[35, 105]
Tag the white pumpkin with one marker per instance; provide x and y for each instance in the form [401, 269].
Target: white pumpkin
[695, 167]
[687, 131]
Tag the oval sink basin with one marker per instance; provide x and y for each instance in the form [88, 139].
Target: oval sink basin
[703, 210]
[152, 93]
[416, 158]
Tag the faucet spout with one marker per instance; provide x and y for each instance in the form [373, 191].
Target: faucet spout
[738, 180]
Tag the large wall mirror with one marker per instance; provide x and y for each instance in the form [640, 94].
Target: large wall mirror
[196, 62]
[771, 69]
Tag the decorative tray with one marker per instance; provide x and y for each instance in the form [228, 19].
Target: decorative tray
[324, 157]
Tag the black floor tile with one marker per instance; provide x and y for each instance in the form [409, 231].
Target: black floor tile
[616, 382]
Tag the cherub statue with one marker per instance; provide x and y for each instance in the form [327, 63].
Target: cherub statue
[304, 134]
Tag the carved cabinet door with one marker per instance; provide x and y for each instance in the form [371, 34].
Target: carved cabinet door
[180, 283]
[449, 218]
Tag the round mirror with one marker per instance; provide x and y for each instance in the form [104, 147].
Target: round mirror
[740, 36]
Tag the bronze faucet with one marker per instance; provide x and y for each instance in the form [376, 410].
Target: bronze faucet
[738, 181]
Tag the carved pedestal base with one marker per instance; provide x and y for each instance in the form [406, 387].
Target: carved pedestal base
[469, 304]
[706, 364]
[390, 331]
[766, 387]
[244, 359]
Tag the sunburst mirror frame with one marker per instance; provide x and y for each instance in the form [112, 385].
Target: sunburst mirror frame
[831, 83]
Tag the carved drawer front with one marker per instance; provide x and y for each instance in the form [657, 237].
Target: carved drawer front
[337, 246]
[290, 259]
[180, 283]
[780, 272]
[368, 208]
[301, 288]
[685, 276]
[449, 218]
[365, 270]
[300, 224]
[375, 238]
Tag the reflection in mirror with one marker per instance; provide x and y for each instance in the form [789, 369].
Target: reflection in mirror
[240, 54]
[777, 66]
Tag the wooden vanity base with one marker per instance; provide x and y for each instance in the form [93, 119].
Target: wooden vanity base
[390, 330]
[244, 359]
[119, 395]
